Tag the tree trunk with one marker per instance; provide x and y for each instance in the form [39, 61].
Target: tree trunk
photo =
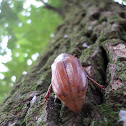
[93, 31]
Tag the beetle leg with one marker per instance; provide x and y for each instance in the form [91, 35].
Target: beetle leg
[93, 81]
[55, 98]
[48, 92]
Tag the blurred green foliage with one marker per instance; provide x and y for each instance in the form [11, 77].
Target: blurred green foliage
[121, 1]
[124, 1]
[28, 31]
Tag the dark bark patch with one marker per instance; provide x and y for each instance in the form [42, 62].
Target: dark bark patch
[122, 15]
[94, 38]
[95, 16]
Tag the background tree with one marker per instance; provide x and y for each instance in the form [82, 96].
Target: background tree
[20, 23]
[94, 31]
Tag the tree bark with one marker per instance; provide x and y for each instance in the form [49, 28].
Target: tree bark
[93, 31]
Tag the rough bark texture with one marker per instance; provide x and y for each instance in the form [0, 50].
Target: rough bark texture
[94, 31]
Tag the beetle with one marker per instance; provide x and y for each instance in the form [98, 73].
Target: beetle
[69, 81]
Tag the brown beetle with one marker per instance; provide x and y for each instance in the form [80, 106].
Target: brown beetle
[69, 81]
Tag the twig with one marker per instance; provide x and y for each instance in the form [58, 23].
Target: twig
[57, 10]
